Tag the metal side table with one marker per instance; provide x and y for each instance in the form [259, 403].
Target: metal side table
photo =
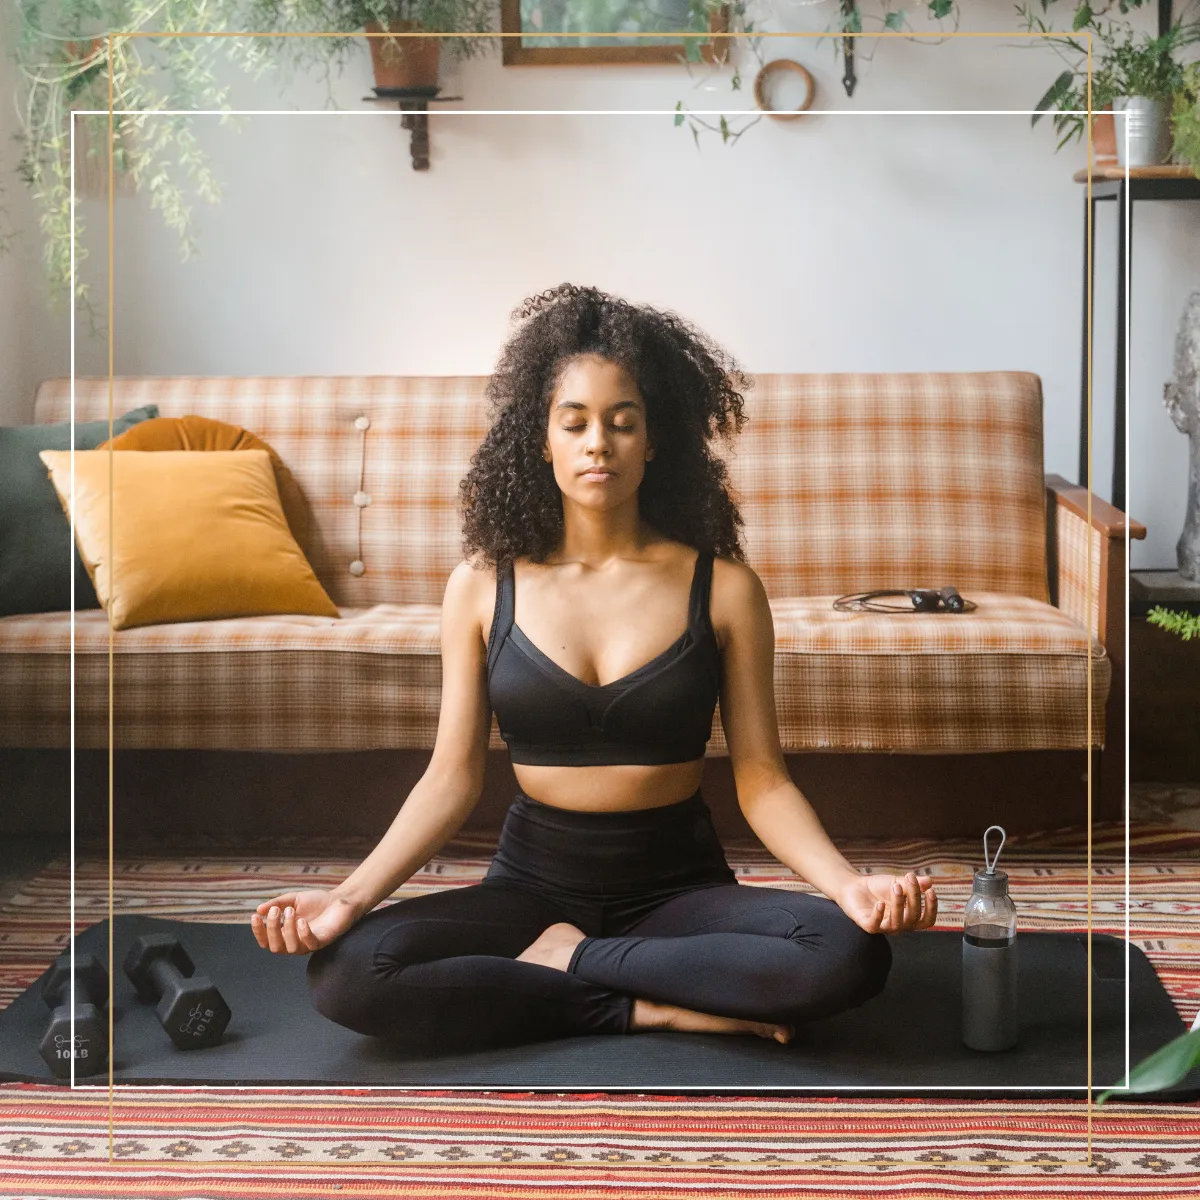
[1113, 183]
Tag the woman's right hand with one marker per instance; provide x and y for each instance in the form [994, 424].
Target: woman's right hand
[301, 922]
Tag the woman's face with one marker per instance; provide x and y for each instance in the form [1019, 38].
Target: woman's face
[596, 435]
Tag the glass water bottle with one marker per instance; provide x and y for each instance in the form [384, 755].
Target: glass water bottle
[989, 962]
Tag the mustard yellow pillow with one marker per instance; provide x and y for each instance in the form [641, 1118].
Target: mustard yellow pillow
[203, 433]
[195, 536]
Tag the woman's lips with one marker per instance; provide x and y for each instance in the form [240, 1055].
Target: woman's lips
[597, 476]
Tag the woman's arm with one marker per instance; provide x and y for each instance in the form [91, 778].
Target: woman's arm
[775, 808]
[444, 796]
[433, 813]
[435, 809]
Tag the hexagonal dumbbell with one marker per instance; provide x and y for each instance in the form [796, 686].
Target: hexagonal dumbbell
[189, 1007]
[89, 1047]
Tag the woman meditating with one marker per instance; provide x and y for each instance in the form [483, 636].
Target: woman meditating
[602, 609]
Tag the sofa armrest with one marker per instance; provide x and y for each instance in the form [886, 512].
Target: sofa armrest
[1072, 541]
[1069, 543]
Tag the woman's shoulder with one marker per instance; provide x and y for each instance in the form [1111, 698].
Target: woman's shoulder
[473, 574]
[471, 592]
[737, 595]
[734, 575]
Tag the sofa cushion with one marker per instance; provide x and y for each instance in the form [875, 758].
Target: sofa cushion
[194, 536]
[1010, 676]
[203, 433]
[35, 535]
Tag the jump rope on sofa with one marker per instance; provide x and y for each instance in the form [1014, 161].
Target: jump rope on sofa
[944, 599]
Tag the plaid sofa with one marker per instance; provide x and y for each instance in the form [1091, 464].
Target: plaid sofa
[846, 483]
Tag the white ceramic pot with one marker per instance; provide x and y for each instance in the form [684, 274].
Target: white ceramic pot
[1149, 125]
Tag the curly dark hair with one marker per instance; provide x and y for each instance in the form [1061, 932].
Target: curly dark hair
[510, 503]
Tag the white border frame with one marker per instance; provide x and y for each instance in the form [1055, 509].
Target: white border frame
[757, 1088]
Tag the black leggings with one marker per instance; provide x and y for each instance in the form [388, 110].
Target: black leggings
[665, 920]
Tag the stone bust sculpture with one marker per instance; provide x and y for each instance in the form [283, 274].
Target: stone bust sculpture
[1182, 398]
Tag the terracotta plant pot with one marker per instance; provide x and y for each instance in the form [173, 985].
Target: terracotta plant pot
[405, 62]
[1104, 139]
[78, 51]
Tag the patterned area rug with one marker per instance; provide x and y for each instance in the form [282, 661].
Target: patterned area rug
[254, 1143]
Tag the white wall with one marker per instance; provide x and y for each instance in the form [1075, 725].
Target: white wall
[835, 243]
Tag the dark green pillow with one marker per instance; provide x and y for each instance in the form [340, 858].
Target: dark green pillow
[35, 535]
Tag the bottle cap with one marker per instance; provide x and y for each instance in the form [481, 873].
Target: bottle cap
[991, 883]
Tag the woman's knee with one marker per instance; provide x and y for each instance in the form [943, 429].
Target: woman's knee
[339, 987]
[858, 968]
[352, 981]
[872, 963]
[854, 967]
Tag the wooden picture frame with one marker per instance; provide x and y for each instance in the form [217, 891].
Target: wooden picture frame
[515, 52]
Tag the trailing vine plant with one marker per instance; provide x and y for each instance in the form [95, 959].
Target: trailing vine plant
[62, 54]
[849, 17]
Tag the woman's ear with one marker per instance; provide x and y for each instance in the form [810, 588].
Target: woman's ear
[546, 452]
[649, 453]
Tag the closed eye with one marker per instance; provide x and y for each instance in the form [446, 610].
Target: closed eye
[617, 428]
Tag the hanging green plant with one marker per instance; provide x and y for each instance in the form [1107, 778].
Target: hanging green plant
[62, 51]
[884, 15]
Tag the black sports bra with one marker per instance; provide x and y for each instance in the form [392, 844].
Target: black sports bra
[660, 713]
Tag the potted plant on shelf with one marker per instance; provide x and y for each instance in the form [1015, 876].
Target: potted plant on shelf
[1131, 72]
[1151, 78]
[398, 62]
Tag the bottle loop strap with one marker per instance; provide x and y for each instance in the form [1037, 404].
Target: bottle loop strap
[991, 867]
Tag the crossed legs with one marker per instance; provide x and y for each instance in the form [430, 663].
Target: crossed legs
[461, 970]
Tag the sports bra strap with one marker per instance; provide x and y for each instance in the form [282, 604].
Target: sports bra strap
[698, 600]
[502, 614]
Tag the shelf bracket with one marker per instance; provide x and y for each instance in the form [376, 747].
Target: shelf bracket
[413, 103]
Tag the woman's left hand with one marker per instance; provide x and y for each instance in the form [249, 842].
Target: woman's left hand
[890, 903]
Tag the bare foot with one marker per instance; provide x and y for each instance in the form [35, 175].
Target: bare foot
[648, 1014]
[554, 947]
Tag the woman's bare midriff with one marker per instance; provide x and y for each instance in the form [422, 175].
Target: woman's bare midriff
[622, 788]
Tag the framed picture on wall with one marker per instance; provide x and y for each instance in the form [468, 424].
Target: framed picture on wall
[542, 24]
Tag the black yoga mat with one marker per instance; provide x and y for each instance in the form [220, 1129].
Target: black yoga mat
[904, 1041]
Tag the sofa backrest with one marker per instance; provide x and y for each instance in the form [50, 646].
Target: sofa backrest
[845, 482]
[856, 482]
